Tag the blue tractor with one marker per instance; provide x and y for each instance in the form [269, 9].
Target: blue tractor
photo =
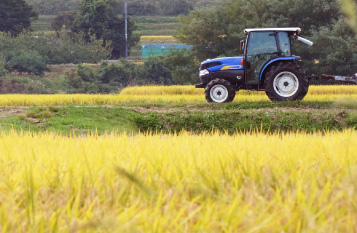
[267, 65]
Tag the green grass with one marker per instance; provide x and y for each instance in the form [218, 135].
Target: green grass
[132, 118]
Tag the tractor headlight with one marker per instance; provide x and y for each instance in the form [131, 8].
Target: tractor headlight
[203, 72]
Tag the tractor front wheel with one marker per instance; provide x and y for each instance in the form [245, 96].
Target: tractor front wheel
[286, 81]
[219, 91]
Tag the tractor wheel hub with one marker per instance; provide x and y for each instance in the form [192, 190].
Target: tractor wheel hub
[286, 84]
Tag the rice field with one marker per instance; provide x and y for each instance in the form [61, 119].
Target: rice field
[154, 182]
[178, 183]
[191, 90]
[165, 94]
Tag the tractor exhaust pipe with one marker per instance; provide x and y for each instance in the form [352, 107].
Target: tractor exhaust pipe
[305, 41]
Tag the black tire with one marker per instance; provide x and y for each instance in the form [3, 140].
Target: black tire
[214, 89]
[294, 76]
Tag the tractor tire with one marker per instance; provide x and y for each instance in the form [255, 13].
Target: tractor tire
[219, 91]
[286, 81]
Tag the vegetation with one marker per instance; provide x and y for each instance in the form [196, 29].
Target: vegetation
[349, 8]
[155, 95]
[105, 79]
[97, 18]
[54, 49]
[135, 7]
[15, 16]
[159, 158]
[198, 118]
[25, 61]
[321, 21]
[156, 183]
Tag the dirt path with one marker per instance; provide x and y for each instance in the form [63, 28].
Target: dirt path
[12, 111]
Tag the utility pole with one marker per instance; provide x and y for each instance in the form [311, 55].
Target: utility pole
[126, 30]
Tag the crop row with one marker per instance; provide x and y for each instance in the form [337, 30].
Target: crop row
[83, 99]
[178, 183]
[191, 90]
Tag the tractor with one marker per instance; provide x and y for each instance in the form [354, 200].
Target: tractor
[267, 65]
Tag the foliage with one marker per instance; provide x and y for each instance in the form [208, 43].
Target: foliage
[108, 78]
[349, 8]
[64, 19]
[183, 66]
[156, 71]
[57, 49]
[3, 69]
[97, 18]
[217, 32]
[135, 7]
[15, 16]
[25, 61]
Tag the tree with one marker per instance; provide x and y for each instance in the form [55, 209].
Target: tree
[15, 16]
[217, 32]
[175, 7]
[349, 8]
[64, 19]
[97, 18]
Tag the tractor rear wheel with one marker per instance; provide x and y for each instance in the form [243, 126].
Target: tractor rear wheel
[219, 91]
[286, 81]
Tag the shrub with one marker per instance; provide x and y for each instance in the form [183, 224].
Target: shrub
[25, 61]
[3, 69]
[184, 67]
[107, 78]
[60, 48]
[156, 71]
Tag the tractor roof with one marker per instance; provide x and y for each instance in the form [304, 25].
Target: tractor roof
[297, 30]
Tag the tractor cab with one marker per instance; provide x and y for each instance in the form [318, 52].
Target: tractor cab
[263, 45]
[266, 50]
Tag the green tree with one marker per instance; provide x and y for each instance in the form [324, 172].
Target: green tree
[183, 66]
[97, 18]
[64, 19]
[156, 71]
[349, 8]
[217, 32]
[15, 16]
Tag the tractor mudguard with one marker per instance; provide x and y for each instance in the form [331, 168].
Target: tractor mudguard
[272, 61]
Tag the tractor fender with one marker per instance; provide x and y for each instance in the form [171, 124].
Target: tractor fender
[273, 61]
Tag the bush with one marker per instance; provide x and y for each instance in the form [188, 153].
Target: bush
[60, 48]
[107, 78]
[156, 71]
[184, 67]
[25, 61]
[3, 69]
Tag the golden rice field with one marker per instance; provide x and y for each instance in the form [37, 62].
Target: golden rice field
[191, 90]
[179, 183]
[165, 94]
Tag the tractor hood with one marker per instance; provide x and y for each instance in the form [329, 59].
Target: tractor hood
[223, 63]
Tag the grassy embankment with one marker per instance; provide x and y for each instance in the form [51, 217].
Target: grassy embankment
[264, 116]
